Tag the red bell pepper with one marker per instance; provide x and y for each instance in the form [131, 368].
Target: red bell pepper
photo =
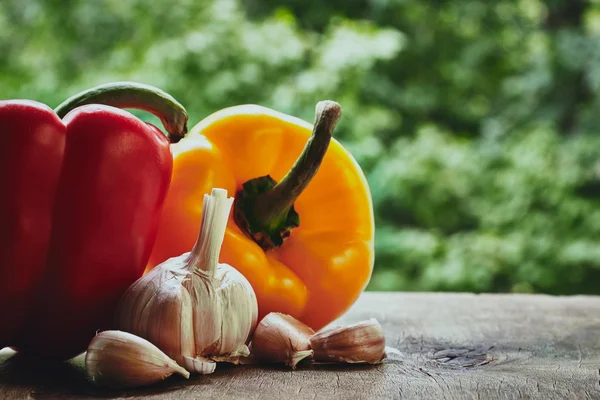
[80, 203]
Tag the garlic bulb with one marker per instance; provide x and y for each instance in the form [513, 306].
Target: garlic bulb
[194, 309]
[121, 360]
[363, 342]
[281, 338]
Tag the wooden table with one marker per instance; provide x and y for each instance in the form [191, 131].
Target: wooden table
[453, 346]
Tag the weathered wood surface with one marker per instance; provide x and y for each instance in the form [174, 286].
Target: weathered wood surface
[453, 346]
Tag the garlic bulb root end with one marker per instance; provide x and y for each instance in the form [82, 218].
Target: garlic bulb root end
[199, 365]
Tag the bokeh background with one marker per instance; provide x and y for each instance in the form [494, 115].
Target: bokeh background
[475, 121]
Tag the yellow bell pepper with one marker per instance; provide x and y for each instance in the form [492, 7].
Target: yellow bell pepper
[306, 243]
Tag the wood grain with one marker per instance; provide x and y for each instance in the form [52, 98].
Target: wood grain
[453, 346]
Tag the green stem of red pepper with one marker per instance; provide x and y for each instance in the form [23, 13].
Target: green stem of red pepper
[134, 95]
[265, 208]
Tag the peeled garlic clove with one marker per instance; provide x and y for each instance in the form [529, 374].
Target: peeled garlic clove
[119, 359]
[362, 342]
[280, 338]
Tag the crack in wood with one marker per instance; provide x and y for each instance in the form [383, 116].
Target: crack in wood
[461, 357]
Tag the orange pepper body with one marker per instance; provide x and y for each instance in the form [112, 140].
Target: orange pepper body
[326, 263]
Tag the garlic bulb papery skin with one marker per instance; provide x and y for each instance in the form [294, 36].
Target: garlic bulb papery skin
[191, 307]
[121, 360]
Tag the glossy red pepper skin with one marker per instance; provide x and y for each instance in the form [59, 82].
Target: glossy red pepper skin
[78, 219]
[33, 142]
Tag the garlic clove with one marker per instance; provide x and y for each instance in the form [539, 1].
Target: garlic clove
[363, 342]
[239, 312]
[119, 359]
[280, 338]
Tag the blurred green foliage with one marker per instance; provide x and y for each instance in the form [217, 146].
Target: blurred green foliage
[475, 121]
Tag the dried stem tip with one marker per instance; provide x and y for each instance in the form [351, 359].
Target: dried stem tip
[119, 360]
[280, 338]
[362, 342]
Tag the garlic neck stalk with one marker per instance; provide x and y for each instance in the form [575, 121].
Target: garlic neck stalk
[204, 257]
